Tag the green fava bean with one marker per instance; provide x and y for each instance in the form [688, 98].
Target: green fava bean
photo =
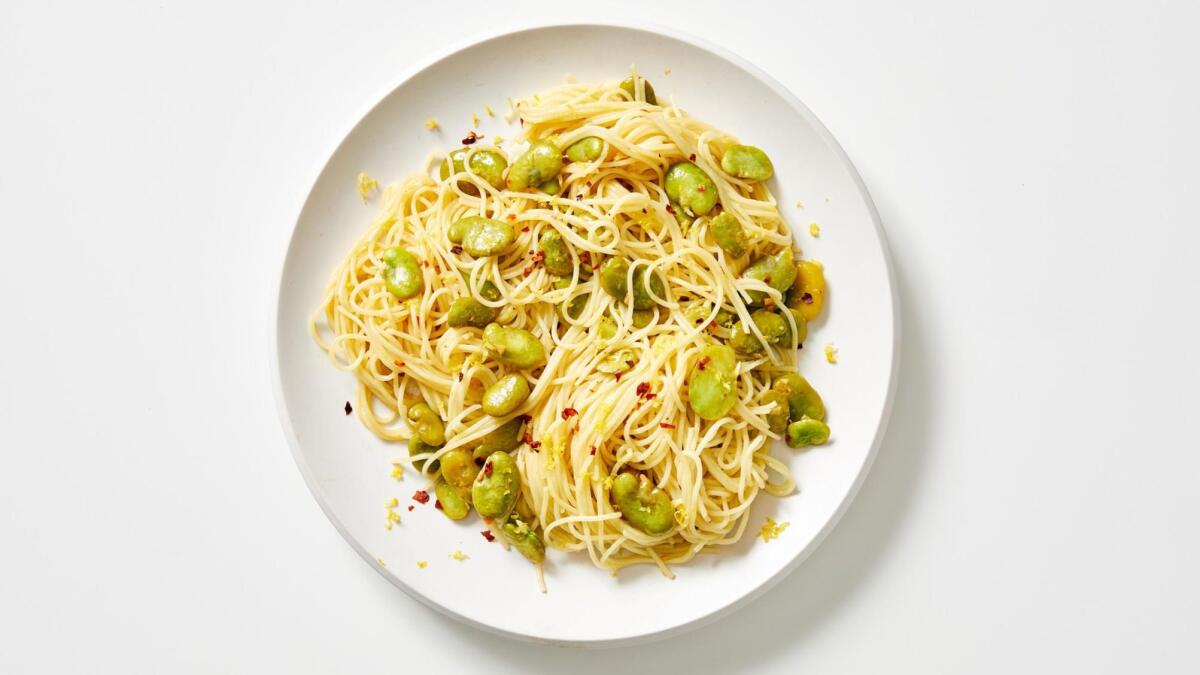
[748, 162]
[801, 327]
[429, 427]
[628, 85]
[644, 279]
[497, 486]
[772, 326]
[451, 502]
[470, 312]
[807, 431]
[506, 437]
[803, 400]
[540, 163]
[486, 164]
[777, 416]
[556, 255]
[730, 235]
[524, 539]
[514, 346]
[641, 504]
[418, 447]
[458, 229]
[712, 385]
[458, 468]
[585, 149]
[487, 237]
[607, 328]
[573, 308]
[550, 187]
[402, 273]
[505, 395]
[642, 317]
[687, 185]
[614, 275]
[777, 271]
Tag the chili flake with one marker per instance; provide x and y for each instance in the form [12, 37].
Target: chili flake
[527, 418]
[643, 389]
[512, 216]
[349, 409]
[666, 425]
[692, 157]
[421, 496]
[437, 504]
[670, 209]
[592, 451]
[806, 298]
[617, 375]
[701, 188]
[568, 413]
[538, 256]
[456, 249]
[410, 507]
[702, 362]
[471, 137]
[487, 534]
[487, 469]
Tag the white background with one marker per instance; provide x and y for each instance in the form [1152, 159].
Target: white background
[1033, 508]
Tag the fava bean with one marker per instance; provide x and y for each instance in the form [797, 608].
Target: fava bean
[614, 277]
[801, 327]
[402, 273]
[458, 229]
[458, 468]
[497, 486]
[642, 317]
[556, 254]
[550, 187]
[631, 88]
[607, 328]
[645, 282]
[730, 235]
[777, 416]
[505, 395]
[803, 400]
[773, 327]
[641, 504]
[515, 347]
[429, 427]
[487, 237]
[807, 431]
[504, 438]
[777, 271]
[712, 385]
[541, 162]
[523, 538]
[808, 289]
[417, 447]
[585, 149]
[486, 164]
[748, 162]
[687, 185]
[470, 312]
[573, 308]
[452, 503]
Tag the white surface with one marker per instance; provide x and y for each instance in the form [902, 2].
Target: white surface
[348, 468]
[1032, 509]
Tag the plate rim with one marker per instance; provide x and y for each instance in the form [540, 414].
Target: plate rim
[435, 57]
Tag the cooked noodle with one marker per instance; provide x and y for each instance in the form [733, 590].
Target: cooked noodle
[404, 351]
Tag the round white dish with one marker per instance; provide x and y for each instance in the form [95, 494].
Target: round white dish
[348, 469]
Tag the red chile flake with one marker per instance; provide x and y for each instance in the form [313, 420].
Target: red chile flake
[643, 389]
[524, 229]
[538, 256]
[487, 534]
[527, 439]
[617, 375]
[421, 496]
[512, 216]
[692, 157]
[526, 419]
[535, 444]
[471, 137]
[349, 409]
[437, 504]
[702, 362]
[410, 507]
[701, 188]
[806, 299]
[456, 249]
[670, 209]
[568, 413]
[487, 469]
[666, 425]
[767, 280]
[592, 451]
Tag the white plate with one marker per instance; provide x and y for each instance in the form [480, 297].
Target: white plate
[347, 468]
